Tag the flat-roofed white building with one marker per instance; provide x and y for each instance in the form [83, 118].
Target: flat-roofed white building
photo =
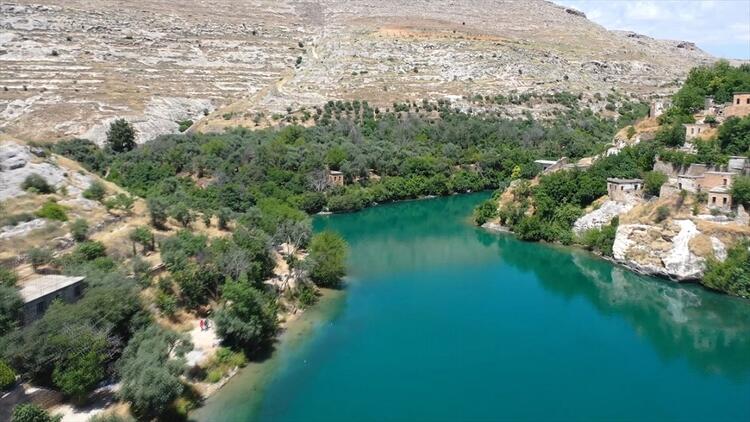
[38, 293]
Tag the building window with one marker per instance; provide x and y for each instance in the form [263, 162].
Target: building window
[725, 182]
[713, 199]
[738, 100]
[724, 201]
[40, 308]
[747, 101]
[622, 187]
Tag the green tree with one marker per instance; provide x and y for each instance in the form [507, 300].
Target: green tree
[29, 412]
[182, 214]
[733, 275]
[7, 277]
[78, 374]
[120, 136]
[741, 190]
[149, 375]
[79, 229]
[247, 318]
[144, 237]
[652, 181]
[327, 258]
[671, 135]
[10, 309]
[7, 376]
[734, 136]
[157, 209]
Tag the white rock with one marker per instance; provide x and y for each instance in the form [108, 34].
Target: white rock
[601, 216]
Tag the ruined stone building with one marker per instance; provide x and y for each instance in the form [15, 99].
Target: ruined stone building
[335, 178]
[620, 190]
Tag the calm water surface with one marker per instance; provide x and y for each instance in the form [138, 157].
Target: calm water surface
[444, 321]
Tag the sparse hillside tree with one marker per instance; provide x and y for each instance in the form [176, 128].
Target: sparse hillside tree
[121, 136]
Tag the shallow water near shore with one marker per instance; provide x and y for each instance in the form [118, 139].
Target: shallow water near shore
[445, 321]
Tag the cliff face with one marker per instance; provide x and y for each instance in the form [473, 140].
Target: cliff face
[66, 66]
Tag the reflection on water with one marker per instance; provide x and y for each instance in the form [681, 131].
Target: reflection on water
[710, 330]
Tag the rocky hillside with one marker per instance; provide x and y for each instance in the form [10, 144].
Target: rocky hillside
[68, 66]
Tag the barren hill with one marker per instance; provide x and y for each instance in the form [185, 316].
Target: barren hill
[69, 65]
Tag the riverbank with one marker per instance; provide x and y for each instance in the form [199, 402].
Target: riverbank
[251, 379]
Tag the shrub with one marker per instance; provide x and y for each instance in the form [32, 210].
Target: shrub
[90, 250]
[39, 257]
[52, 211]
[7, 376]
[36, 183]
[184, 125]
[166, 303]
[95, 191]
[662, 213]
[29, 412]
[485, 211]
[15, 219]
[224, 215]
[79, 230]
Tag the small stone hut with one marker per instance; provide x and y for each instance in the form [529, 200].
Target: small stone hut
[620, 189]
[38, 294]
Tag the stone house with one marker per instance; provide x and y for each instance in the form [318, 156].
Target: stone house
[620, 190]
[713, 179]
[38, 294]
[551, 166]
[693, 130]
[658, 108]
[335, 178]
[740, 106]
[689, 183]
[720, 197]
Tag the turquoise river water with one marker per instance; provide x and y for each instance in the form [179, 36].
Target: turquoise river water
[444, 321]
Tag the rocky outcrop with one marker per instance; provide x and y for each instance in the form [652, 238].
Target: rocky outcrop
[18, 161]
[663, 250]
[601, 216]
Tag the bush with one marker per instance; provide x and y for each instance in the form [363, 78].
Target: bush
[662, 213]
[32, 413]
[7, 277]
[184, 125]
[733, 275]
[7, 376]
[36, 183]
[39, 257]
[89, 251]
[95, 191]
[79, 230]
[653, 180]
[485, 211]
[52, 211]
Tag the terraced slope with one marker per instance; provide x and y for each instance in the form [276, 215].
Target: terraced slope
[68, 66]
